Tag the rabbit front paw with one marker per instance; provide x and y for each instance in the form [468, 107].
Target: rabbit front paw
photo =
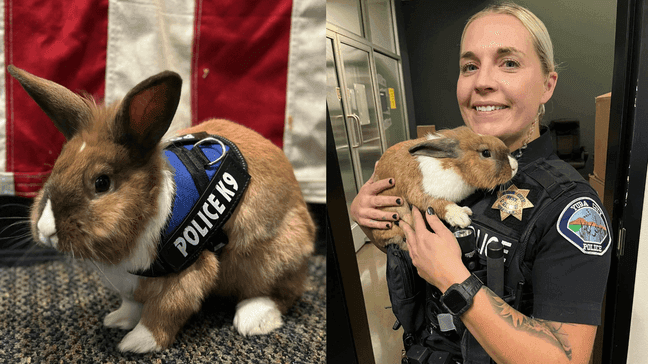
[458, 216]
[125, 317]
[257, 316]
[139, 340]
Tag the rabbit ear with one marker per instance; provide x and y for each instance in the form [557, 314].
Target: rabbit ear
[146, 112]
[67, 110]
[437, 148]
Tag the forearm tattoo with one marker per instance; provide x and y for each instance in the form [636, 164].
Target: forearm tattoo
[547, 330]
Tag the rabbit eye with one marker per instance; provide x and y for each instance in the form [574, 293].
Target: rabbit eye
[102, 183]
[486, 153]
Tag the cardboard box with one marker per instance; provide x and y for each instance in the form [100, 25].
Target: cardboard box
[423, 130]
[598, 185]
[601, 125]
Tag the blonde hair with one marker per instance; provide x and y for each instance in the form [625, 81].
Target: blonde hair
[539, 35]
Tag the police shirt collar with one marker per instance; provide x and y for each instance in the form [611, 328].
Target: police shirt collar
[542, 147]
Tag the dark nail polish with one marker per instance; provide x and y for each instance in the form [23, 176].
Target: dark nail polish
[395, 217]
[388, 226]
[391, 181]
[397, 223]
[430, 211]
[404, 240]
[398, 201]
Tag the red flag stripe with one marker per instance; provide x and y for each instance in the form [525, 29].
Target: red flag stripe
[241, 61]
[61, 40]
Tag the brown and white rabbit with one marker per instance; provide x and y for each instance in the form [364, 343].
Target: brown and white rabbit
[110, 194]
[439, 171]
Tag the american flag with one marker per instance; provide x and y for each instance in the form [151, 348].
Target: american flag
[257, 62]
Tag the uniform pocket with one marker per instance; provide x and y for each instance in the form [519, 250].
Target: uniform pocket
[406, 289]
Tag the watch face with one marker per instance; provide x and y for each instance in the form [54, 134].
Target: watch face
[454, 301]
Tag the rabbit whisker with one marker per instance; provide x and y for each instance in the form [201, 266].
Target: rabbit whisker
[26, 239]
[105, 256]
[18, 233]
[104, 274]
[22, 236]
[25, 222]
[69, 260]
[14, 224]
[15, 205]
[19, 240]
[72, 251]
[29, 251]
[95, 255]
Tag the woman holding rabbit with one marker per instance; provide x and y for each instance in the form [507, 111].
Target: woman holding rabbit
[556, 243]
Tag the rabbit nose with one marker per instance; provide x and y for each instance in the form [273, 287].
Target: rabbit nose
[47, 227]
[514, 165]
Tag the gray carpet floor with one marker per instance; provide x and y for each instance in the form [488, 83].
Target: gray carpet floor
[53, 312]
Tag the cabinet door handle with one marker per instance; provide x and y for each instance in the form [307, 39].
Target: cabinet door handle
[356, 131]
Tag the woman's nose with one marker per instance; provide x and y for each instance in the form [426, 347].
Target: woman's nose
[485, 82]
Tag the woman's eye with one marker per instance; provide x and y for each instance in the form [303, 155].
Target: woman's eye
[102, 183]
[468, 68]
[486, 153]
[511, 64]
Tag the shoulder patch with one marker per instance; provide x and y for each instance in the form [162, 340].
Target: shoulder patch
[583, 223]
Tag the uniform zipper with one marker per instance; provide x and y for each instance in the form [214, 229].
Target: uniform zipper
[406, 271]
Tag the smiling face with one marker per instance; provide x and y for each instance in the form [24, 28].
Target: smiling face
[501, 83]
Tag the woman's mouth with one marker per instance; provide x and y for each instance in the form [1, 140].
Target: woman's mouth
[489, 108]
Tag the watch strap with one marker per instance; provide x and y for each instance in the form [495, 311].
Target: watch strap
[472, 285]
[467, 289]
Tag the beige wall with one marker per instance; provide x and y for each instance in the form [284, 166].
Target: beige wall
[582, 32]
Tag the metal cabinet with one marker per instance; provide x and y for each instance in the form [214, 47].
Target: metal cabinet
[364, 89]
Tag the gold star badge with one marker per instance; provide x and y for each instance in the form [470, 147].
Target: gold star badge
[511, 202]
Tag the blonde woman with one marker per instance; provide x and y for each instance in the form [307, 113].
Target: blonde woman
[550, 222]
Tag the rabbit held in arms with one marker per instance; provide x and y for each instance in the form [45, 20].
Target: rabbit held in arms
[110, 197]
[439, 171]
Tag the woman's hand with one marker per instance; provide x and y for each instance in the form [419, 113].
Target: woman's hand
[437, 254]
[364, 208]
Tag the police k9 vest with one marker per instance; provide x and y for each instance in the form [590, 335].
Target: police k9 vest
[210, 177]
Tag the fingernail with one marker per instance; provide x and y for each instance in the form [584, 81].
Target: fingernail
[404, 240]
[410, 206]
[396, 222]
[388, 226]
[398, 201]
[391, 181]
[430, 211]
[395, 217]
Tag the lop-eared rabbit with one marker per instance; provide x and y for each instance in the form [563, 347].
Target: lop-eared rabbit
[439, 171]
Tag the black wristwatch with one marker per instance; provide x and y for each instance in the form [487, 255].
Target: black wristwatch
[459, 297]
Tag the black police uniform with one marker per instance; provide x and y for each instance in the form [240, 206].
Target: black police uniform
[556, 238]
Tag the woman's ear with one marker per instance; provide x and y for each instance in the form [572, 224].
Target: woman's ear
[550, 86]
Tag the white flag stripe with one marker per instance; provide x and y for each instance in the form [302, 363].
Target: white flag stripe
[7, 186]
[304, 132]
[147, 37]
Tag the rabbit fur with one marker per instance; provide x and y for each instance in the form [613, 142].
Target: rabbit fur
[270, 232]
[439, 171]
